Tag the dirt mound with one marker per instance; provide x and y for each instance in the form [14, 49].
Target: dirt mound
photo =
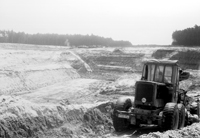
[189, 59]
[118, 51]
[192, 131]
[162, 53]
[21, 118]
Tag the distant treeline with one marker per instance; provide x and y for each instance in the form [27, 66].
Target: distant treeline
[57, 39]
[187, 37]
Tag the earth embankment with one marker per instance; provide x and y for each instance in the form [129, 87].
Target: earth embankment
[49, 91]
[21, 118]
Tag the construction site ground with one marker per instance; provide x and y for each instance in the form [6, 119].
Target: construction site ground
[54, 91]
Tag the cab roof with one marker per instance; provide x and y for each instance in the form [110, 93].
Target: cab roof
[156, 61]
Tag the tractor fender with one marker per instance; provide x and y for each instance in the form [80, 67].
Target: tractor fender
[122, 101]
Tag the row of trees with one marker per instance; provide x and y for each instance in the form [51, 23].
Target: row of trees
[187, 37]
[56, 39]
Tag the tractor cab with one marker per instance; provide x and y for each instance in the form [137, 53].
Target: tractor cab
[163, 71]
[159, 84]
[160, 71]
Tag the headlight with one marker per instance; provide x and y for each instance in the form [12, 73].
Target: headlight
[144, 100]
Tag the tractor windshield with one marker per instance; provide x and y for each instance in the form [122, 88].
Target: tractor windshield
[168, 74]
[148, 72]
[158, 73]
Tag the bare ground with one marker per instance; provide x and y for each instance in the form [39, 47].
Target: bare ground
[49, 91]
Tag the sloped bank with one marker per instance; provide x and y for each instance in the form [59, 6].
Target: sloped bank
[26, 70]
[14, 81]
[188, 58]
[20, 118]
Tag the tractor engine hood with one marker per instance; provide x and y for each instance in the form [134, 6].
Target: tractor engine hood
[147, 95]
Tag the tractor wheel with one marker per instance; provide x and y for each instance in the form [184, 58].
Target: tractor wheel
[170, 117]
[122, 104]
[182, 116]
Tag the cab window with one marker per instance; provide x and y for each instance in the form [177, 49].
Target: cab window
[168, 74]
[148, 72]
[159, 73]
[145, 71]
[151, 72]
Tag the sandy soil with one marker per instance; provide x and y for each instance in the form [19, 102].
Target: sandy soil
[50, 91]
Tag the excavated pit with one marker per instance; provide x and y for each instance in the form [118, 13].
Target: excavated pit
[49, 92]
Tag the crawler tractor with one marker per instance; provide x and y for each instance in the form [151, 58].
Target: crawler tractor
[158, 99]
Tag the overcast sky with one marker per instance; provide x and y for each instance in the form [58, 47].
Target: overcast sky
[138, 21]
